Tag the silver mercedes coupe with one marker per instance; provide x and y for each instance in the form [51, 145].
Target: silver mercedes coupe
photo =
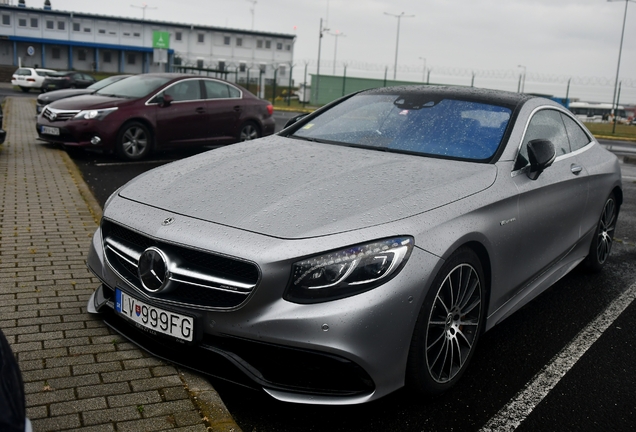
[365, 247]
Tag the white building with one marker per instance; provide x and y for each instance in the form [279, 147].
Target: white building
[56, 39]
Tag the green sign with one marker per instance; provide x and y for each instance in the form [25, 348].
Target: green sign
[160, 39]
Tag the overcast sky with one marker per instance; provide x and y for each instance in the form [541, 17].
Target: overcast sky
[554, 39]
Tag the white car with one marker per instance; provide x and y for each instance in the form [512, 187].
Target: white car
[28, 78]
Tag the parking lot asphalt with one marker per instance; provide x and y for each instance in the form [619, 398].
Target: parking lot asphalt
[78, 374]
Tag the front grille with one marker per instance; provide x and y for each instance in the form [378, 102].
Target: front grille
[52, 114]
[197, 278]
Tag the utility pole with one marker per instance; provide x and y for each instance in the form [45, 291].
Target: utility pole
[322, 30]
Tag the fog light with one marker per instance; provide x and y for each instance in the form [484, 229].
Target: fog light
[96, 140]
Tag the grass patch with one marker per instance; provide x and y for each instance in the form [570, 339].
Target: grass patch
[605, 129]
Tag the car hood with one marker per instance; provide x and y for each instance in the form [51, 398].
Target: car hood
[61, 94]
[90, 101]
[286, 188]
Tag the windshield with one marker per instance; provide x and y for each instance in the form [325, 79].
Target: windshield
[134, 87]
[106, 82]
[413, 123]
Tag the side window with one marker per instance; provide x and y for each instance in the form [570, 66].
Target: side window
[578, 137]
[545, 124]
[216, 90]
[185, 91]
[234, 92]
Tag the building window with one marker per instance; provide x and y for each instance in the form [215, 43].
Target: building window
[178, 36]
[102, 31]
[200, 37]
[114, 33]
[279, 46]
[76, 27]
[50, 25]
[22, 22]
[137, 34]
[226, 40]
[288, 47]
[268, 44]
[126, 33]
[56, 53]
[34, 22]
[6, 19]
[87, 29]
[259, 43]
[221, 65]
[131, 58]
[107, 57]
[81, 55]
[239, 41]
[200, 63]
[282, 69]
[61, 25]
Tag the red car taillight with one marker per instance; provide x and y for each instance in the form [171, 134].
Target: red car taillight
[31, 79]
[270, 109]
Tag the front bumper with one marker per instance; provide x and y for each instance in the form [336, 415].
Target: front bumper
[78, 133]
[345, 351]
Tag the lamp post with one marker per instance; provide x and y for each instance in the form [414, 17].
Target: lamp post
[336, 35]
[620, 50]
[397, 39]
[423, 70]
[252, 10]
[523, 82]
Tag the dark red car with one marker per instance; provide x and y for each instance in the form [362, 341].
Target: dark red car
[149, 112]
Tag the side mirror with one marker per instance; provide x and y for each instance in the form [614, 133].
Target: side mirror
[294, 119]
[541, 153]
[164, 100]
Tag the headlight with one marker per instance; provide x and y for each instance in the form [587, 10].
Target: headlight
[348, 271]
[97, 114]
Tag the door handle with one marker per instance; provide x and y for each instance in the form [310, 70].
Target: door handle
[238, 108]
[576, 169]
[200, 110]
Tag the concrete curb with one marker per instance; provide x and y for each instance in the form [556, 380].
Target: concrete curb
[615, 138]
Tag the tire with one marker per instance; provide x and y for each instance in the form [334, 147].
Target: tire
[448, 326]
[249, 131]
[603, 239]
[25, 89]
[134, 141]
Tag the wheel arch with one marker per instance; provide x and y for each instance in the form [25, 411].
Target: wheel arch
[618, 193]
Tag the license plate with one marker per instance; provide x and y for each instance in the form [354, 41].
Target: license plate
[50, 130]
[153, 318]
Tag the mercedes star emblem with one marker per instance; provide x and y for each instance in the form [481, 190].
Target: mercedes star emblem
[153, 270]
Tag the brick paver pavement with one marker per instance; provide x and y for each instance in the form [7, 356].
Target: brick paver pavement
[77, 373]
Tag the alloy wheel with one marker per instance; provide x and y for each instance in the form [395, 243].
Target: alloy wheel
[453, 323]
[605, 233]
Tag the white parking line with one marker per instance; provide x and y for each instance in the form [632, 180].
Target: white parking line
[511, 416]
